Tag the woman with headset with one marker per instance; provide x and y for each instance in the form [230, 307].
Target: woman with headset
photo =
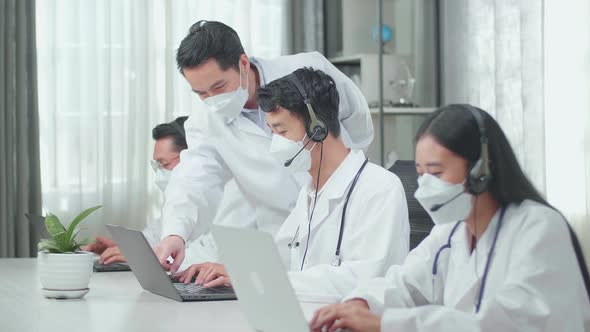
[499, 257]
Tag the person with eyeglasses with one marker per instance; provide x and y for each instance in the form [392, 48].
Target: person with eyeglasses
[499, 257]
[169, 142]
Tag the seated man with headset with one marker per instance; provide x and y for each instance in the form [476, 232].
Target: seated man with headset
[351, 221]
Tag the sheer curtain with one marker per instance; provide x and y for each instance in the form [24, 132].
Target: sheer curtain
[107, 75]
[527, 63]
[492, 57]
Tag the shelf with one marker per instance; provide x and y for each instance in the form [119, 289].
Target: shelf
[404, 110]
[355, 59]
[347, 59]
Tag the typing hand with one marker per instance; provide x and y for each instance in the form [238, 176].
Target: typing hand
[207, 274]
[353, 315]
[111, 255]
[99, 245]
[170, 246]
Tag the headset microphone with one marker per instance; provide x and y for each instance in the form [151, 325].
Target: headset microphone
[289, 161]
[437, 207]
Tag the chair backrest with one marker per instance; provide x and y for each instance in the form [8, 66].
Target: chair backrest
[420, 222]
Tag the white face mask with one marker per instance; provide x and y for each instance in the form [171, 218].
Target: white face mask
[433, 192]
[229, 104]
[162, 178]
[283, 149]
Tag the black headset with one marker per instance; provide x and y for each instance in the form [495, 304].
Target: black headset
[480, 176]
[316, 128]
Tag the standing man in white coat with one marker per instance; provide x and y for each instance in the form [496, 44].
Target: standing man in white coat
[499, 257]
[350, 222]
[228, 137]
[170, 140]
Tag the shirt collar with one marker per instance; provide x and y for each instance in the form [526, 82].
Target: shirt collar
[341, 179]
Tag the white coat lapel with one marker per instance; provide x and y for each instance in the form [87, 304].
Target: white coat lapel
[331, 198]
[245, 125]
[463, 286]
[319, 214]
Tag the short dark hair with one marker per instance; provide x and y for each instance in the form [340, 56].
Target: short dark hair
[209, 40]
[174, 129]
[455, 128]
[320, 89]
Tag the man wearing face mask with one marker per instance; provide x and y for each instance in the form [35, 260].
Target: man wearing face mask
[228, 137]
[169, 142]
[350, 222]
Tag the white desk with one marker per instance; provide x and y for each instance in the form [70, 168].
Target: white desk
[116, 302]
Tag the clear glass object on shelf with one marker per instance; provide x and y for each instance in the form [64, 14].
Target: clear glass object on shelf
[402, 85]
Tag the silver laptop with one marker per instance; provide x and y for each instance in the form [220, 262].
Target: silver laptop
[151, 275]
[259, 280]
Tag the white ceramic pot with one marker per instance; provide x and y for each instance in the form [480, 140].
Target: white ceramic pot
[65, 272]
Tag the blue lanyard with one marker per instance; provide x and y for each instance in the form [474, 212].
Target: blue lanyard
[488, 261]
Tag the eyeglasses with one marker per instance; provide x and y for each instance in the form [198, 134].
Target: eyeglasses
[156, 165]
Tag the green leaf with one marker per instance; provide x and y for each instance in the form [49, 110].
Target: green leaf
[75, 234]
[53, 225]
[83, 242]
[78, 219]
[62, 241]
[49, 245]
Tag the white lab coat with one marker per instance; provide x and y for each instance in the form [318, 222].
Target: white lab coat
[376, 230]
[533, 284]
[221, 148]
[234, 211]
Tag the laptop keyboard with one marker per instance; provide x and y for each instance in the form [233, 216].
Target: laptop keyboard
[192, 289]
[113, 267]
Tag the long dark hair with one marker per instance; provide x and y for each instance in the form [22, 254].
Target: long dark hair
[455, 128]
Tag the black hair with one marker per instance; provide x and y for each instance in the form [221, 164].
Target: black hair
[174, 129]
[209, 40]
[321, 91]
[455, 128]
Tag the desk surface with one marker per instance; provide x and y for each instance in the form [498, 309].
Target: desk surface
[116, 302]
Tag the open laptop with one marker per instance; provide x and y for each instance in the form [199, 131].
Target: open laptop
[260, 280]
[152, 277]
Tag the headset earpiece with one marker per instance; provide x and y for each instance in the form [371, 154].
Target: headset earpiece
[479, 176]
[316, 128]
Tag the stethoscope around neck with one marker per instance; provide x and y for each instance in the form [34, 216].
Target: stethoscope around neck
[488, 261]
[294, 243]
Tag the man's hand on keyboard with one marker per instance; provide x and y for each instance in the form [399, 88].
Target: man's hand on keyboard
[208, 275]
[111, 255]
[170, 246]
[99, 245]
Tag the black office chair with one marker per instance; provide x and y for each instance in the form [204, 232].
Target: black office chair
[420, 222]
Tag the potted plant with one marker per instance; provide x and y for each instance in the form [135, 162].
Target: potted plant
[64, 269]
